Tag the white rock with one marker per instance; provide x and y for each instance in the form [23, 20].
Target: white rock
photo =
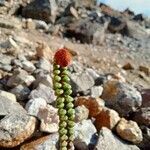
[8, 95]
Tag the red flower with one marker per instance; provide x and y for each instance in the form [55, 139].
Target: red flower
[62, 57]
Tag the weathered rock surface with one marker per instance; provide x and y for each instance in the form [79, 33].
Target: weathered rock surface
[130, 131]
[107, 140]
[15, 128]
[121, 97]
[107, 118]
[8, 95]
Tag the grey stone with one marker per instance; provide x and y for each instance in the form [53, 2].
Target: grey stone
[44, 65]
[28, 66]
[20, 77]
[15, 128]
[108, 141]
[81, 81]
[21, 92]
[41, 25]
[17, 63]
[8, 106]
[96, 91]
[8, 95]
[5, 59]
[45, 143]
[6, 67]
[84, 135]
[44, 92]
[121, 97]
[45, 10]
[33, 106]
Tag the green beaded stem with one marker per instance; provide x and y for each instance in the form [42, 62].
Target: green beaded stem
[64, 103]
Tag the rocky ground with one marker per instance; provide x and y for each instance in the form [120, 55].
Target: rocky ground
[110, 74]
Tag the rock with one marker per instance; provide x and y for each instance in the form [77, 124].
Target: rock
[17, 63]
[81, 113]
[81, 82]
[44, 64]
[5, 59]
[130, 131]
[43, 50]
[117, 26]
[30, 24]
[33, 106]
[8, 106]
[107, 118]
[15, 128]
[49, 119]
[44, 92]
[84, 135]
[121, 97]
[92, 73]
[45, 10]
[10, 23]
[94, 105]
[128, 66]
[96, 91]
[46, 142]
[8, 95]
[28, 66]
[21, 92]
[145, 69]
[43, 77]
[145, 97]
[6, 67]
[142, 116]
[136, 31]
[41, 25]
[20, 77]
[107, 140]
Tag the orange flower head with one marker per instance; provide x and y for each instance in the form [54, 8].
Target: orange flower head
[62, 57]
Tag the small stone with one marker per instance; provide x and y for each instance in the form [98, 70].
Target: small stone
[28, 66]
[108, 141]
[20, 77]
[96, 91]
[84, 134]
[5, 59]
[49, 119]
[6, 67]
[21, 92]
[44, 92]
[74, 12]
[8, 95]
[142, 116]
[43, 51]
[145, 69]
[15, 128]
[44, 64]
[94, 105]
[46, 143]
[130, 131]
[107, 118]
[30, 24]
[41, 25]
[33, 106]
[145, 97]
[128, 66]
[121, 97]
[81, 113]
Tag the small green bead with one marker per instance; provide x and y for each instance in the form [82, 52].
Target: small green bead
[64, 148]
[57, 78]
[64, 68]
[56, 66]
[64, 144]
[63, 118]
[65, 72]
[66, 86]
[57, 85]
[62, 131]
[68, 92]
[59, 92]
[71, 112]
[56, 72]
[65, 78]
[62, 124]
[68, 99]
[63, 138]
[71, 123]
[71, 131]
[71, 137]
[60, 100]
[62, 112]
[72, 117]
[61, 105]
[69, 105]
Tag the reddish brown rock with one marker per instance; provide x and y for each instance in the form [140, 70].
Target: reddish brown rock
[107, 118]
[94, 105]
[145, 97]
